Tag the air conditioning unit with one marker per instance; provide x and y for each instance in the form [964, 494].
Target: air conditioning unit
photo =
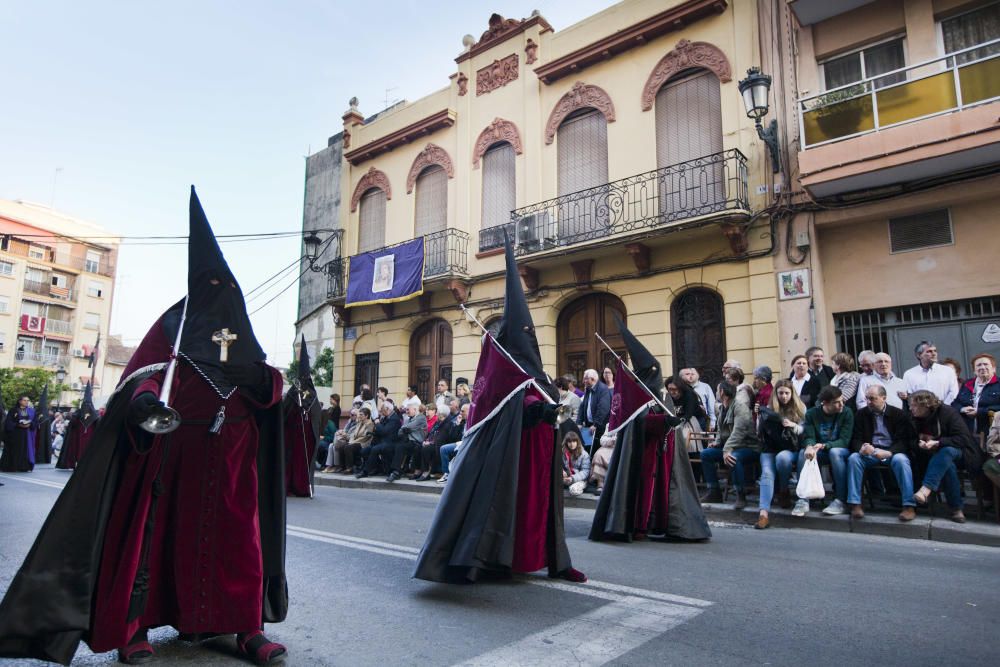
[535, 232]
[77, 386]
[78, 353]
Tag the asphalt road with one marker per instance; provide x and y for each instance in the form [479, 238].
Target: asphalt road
[775, 597]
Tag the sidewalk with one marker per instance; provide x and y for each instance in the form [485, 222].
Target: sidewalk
[885, 523]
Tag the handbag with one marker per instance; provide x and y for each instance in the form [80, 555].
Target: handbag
[810, 486]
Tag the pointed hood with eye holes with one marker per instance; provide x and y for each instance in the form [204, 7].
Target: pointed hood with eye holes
[305, 380]
[215, 303]
[87, 412]
[645, 365]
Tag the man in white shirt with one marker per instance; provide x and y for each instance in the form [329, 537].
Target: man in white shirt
[928, 374]
[895, 387]
[442, 397]
[704, 393]
[411, 398]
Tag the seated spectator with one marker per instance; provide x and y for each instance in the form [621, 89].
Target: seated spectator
[895, 388]
[943, 441]
[383, 446]
[737, 445]
[347, 451]
[780, 429]
[569, 403]
[866, 362]
[381, 396]
[442, 397]
[367, 399]
[450, 451]
[979, 395]
[602, 462]
[704, 394]
[447, 429]
[571, 381]
[761, 384]
[686, 403]
[333, 412]
[992, 466]
[431, 412]
[411, 397]
[411, 436]
[826, 437]
[928, 374]
[817, 366]
[576, 464]
[845, 378]
[331, 437]
[883, 435]
[462, 393]
[806, 386]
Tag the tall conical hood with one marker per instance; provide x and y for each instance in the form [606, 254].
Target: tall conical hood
[517, 330]
[87, 411]
[645, 365]
[215, 303]
[305, 372]
[42, 407]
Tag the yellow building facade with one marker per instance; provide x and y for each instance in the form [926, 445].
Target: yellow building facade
[617, 155]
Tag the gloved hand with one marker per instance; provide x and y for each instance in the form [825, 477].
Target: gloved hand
[550, 413]
[142, 406]
[246, 375]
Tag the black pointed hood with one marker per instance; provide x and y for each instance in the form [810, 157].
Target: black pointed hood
[305, 373]
[215, 302]
[87, 412]
[517, 330]
[42, 407]
[645, 365]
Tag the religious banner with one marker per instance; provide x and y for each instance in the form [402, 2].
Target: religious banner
[386, 275]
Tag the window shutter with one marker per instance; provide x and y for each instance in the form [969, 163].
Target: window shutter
[922, 230]
[371, 221]
[432, 201]
[583, 164]
[499, 185]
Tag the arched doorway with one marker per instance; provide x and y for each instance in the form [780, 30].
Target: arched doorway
[430, 357]
[578, 348]
[699, 332]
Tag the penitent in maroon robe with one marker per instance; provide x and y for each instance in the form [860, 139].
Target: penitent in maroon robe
[534, 490]
[300, 449]
[204, 566]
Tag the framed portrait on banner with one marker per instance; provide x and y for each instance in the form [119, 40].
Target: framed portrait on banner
[384, 273]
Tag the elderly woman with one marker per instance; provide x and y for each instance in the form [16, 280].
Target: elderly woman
[980, 395]
[943, 441]
[348, 450]
[846, 378]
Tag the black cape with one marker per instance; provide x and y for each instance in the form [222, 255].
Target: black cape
[46, 611]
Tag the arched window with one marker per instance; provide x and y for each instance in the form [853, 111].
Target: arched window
[689, 145]
[499, 186]
[432, 217]
[583, 164]
[371, 220]
[698, 329]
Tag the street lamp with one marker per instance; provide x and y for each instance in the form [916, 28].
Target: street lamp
[312, 243]
[755, 89]
[60, 376]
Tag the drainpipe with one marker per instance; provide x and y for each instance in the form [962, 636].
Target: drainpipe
[812, 321]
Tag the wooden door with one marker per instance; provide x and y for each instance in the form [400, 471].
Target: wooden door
[699, 333]
[578, 347]
[430, 357]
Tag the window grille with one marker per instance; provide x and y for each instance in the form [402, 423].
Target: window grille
[929, 229]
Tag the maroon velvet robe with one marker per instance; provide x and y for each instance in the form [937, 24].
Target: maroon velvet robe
[300, 448]
[534, 491]
[205, 564]
[654, 477]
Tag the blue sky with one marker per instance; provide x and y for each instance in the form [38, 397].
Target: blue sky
[135, 101]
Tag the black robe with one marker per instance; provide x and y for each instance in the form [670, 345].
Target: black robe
[47, 609]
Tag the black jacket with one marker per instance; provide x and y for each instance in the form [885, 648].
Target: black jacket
[988, 400]
[601, 410]
[810, 390]
[387, 430]
[897, 423]
[947, 426]
[774, 437]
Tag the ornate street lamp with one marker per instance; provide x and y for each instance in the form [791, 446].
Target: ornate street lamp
[60, 376]
[312, 243]
[755, 89]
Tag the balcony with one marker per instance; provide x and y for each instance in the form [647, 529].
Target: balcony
[101, 267]
[660, 199]
[40, 359]
[59, 327]
[46, 289]
[920, 121]
[446, 253]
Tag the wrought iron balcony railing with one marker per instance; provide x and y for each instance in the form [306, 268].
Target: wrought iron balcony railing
[930, 88]
[691, 189]
[42, 359]
[445, 253]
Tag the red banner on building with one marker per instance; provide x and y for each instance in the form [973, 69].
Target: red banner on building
[33, 324]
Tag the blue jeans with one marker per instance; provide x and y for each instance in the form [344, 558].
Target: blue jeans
[837, 458]
[770, 464]
[447, 453]
[900, 464]
[942, 470]
[712, 457]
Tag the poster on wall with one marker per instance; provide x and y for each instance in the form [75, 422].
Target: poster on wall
[793, 284]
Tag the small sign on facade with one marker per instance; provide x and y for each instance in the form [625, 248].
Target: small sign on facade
[991, 334]
[350, 333]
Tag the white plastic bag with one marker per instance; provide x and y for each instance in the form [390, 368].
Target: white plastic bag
[810, 486]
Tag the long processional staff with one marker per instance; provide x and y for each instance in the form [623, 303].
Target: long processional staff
[176, 515]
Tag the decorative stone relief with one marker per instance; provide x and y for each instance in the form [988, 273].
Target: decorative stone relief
[686, 55]
[531, 52]
[582, 95]
[496, 75]
[373, 179]
[498, 130]
[432, 154]
[463, 84]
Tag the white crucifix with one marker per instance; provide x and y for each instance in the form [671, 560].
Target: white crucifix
[223, 338]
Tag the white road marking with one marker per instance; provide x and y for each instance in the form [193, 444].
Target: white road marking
[351, 538]
[39, 482]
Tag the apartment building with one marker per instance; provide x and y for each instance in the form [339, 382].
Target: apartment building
[889, 113]
[617, 155]
[57, 278]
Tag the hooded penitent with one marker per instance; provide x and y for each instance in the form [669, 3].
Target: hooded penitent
[79, 431]
[650, 488]
[303, 419]
[183, 529]
[501, 510]
[43, 437]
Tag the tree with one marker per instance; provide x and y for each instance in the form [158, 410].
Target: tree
[18, 382]
[322, 368]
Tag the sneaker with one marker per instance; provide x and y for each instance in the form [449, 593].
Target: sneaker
[801, 507]
[836, 507]
[443, 479]
[393, 476]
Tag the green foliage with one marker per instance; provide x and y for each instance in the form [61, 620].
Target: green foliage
[17, 382]
[322, 368]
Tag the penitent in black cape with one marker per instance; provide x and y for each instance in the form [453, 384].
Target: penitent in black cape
[502, 509]
[43, 424]
[55, 599]
[303, 416]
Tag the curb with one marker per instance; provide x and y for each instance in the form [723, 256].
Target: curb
[924, 527]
